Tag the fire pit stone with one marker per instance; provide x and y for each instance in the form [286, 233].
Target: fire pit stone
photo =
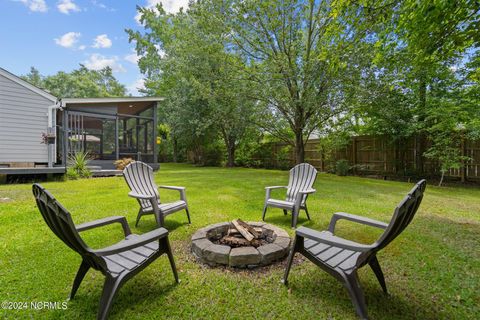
[217, 253]
[208, 245]
[244, 256]
[271, 252]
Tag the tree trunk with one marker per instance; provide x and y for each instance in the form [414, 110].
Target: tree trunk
[422, 93]
[229, 141]
[441, 178]
[422, 103]
[299, 148]
[231, 155]
[175, 149]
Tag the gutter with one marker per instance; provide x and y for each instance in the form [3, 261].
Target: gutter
[52, 130]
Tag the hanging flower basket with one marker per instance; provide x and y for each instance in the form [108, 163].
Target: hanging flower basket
[48, 138]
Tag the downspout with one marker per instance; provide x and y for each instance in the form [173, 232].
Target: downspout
[52, 131]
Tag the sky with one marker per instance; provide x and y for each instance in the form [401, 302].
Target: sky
[58, 35]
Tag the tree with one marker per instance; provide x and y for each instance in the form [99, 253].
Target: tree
[34, 77]
[422, 39]
[80, 83]
[454, 115]
[305, 65]
[185, 59]
[300, 53]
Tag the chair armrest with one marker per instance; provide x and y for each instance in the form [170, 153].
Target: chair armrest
[141, 196]
[299, 197]
[307, 191]
[103, 222]
[133, 243]
[269, 190]
[359, 219]
[183, 195]
[330, 239]
[172, 188]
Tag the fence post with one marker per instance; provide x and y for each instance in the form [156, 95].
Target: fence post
[354, 154]
[322, 160]
[415, 153]
[384, 144]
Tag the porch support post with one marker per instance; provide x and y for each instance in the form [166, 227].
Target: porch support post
[117, 149]
[154, 135]
[65, 137]
[137, 125]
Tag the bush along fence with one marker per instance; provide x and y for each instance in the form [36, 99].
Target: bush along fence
[377, 155]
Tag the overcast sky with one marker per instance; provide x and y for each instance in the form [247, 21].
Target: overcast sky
[57, 35]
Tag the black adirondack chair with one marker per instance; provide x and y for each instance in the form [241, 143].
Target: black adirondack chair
[342, 258]
[118, 262]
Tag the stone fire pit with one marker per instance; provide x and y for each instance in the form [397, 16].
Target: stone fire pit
[206, 251]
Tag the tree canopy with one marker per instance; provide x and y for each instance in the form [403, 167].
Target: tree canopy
[239, 73]
[80, 83]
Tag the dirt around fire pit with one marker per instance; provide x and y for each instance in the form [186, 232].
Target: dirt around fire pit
[220, 244]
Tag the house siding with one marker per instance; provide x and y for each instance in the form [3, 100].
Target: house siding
[23, 118]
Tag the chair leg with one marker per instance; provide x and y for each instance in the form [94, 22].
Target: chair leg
[378, 272]
[159, 218]
[168, 250]
[285, 212]
[356, 294]
[188, 215]
[294, 218]
[264, 212]
[110, 289]
[289, 262]
[306, 211]
[139, 215]
[82, 271]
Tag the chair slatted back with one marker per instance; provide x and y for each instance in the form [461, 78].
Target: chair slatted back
[139, 178]
[302, 177]
[58, 219]
[402, 216]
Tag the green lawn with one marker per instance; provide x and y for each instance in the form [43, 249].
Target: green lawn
[432, 270]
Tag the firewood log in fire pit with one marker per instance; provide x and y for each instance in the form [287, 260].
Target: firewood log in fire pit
[240, 242]
[244, 231]
[242, 234]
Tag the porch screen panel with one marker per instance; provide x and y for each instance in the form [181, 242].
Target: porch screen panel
[92, 135]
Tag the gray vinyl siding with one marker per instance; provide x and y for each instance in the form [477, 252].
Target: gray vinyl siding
[23, 118]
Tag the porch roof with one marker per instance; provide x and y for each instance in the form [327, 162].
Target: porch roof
[66, 101]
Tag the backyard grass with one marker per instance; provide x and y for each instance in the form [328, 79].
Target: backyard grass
[432, 270]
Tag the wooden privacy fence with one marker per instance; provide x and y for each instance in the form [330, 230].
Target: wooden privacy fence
[380, 156]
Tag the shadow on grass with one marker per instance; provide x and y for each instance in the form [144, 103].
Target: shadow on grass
[147, 223]
[132, 294]
[278, 218]
[421, 285]
[316, 286]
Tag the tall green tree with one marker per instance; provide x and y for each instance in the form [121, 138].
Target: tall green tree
[185, 59]
[301, 54]
[34, 77]
[432, 32]
[419, 41]
[454, 115]
[80, 83]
